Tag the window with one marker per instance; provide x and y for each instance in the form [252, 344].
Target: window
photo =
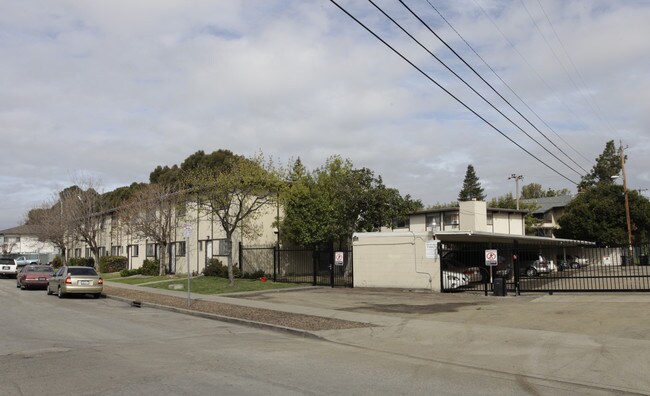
[181, 210]
[102, 251]
[490, 219]
[200, 246]
[87, 253]
[151, 250]
[180, 248]
[433, 221]
[224, 248]
[135, 250]
[451, 218]
[77, 252]
[116, 250]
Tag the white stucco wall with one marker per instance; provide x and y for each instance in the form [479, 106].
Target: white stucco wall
[395, 260]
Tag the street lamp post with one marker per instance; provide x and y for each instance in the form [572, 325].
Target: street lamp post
[627, 205]
[517, 178]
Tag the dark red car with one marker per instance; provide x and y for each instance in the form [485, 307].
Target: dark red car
[34, 276]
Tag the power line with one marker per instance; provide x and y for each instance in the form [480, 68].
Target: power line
[568, 56]
[489, 85]
[447, 91]
[511, 90]
[467, 84]
[566, 105]
[560, 62]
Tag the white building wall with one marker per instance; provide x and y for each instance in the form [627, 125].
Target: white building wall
[417, 223]
[395, 260]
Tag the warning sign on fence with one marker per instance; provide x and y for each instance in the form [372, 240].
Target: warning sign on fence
[338, 258]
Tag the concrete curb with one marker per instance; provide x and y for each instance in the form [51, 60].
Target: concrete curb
[243, 322]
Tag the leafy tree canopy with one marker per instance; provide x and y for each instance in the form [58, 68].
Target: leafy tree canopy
[598, 215]
[173, 175]
[326, 206]
[535, 190]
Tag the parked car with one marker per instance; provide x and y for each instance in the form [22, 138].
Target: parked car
[472, 264]
[454, 280]
[75, 280]
[8, 267]
[22, 261]
[574, 261]
[34, 276]
[532, 266]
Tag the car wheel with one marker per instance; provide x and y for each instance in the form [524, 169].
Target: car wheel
[49, 292]
[531, 272]
[17, 284]
[23, 287]
[60, 293]
[575, 265]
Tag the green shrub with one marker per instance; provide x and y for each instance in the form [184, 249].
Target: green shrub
[130, 272]
[112, 263]
[82, 261]
[150, 267]
[57, 262]
[215, 268]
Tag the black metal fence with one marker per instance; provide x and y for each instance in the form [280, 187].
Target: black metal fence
[299, 265]
[551, 267]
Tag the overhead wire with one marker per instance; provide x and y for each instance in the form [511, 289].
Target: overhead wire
[511, 89]
[427, 76]
[531, 67]
[557, 58]
[568, 56]
[491, 87]
[469, 86]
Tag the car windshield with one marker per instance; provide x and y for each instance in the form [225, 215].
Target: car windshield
[39, 269]
[82, 271]
[6, 261]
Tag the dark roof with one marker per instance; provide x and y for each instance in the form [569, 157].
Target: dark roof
[547, 203]
[457, 208]
[21, 230]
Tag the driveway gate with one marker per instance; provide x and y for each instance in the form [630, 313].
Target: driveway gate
[299, 265]
[549, 267]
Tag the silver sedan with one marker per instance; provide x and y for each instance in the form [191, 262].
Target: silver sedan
[76, 280]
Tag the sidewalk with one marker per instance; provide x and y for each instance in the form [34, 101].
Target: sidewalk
[598, 340]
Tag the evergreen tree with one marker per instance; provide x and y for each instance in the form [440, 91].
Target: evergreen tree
[471, 187]
[608, 164]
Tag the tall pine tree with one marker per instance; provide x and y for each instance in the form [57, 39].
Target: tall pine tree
[471, 187]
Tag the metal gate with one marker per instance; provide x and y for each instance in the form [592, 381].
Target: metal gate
[299, 265]
[549, 267]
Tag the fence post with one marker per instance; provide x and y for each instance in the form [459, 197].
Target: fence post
[515, 265]
[241, 257]
[314, 262]
[276, 262]
[331, 265]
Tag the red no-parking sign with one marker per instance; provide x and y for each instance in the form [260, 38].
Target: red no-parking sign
[491, 258]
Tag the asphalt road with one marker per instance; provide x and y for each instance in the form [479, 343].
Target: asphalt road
[82, 346]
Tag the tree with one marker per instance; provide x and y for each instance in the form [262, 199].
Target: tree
[532, 190]
[83, 209]
[598, 214]
[49, 224]
[608, 164]
[150, 213]
[326, 206]
[471, 187]
[234, 193]
[535, 190]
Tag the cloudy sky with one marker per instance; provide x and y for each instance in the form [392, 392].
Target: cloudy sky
[112, 89]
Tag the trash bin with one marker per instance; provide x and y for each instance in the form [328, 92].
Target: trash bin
[499, 286]
[644, 260]
[625, 261]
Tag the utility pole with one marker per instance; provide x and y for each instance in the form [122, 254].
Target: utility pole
[627, 204]
[517, 178]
